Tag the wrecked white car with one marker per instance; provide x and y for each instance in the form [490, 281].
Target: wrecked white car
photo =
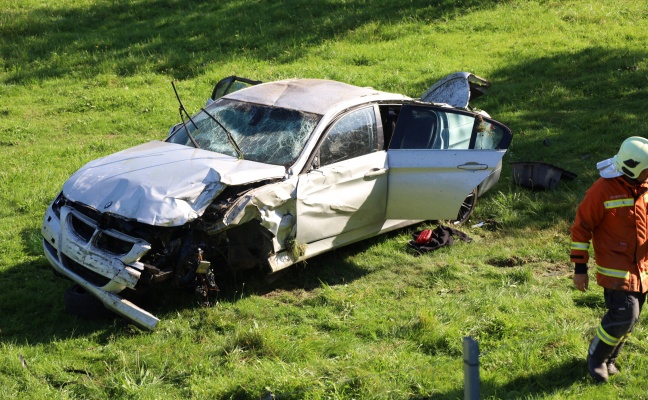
[267, 176]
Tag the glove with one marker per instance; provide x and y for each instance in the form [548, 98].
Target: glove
[581, 279]
[580, 268]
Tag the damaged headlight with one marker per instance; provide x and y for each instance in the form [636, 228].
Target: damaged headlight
[57, 204]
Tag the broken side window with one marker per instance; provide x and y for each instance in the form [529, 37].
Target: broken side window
[489, 135]
[352, 136]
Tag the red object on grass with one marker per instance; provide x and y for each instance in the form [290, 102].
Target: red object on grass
[424, 236]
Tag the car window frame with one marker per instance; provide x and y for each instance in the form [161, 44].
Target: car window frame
[478, 120]
[314, 161]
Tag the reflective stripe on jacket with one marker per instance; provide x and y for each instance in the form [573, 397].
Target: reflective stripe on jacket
[612, 216]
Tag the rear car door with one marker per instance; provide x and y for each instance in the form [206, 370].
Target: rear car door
[437, 156]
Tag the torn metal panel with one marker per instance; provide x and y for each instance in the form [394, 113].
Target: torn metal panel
[231, 84]
[456, 89]
[285, 259]
[161, 184]
[273, 205]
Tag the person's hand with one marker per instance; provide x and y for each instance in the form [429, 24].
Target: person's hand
[581, 281]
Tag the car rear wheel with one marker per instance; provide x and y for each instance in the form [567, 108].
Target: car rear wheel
[466, 209]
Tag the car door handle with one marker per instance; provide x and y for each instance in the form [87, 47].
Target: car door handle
[473, 166]
[375, 172]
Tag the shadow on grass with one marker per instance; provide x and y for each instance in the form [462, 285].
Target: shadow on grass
[590, 299]
[551, 381]
[32, 294]
[32, 241]
[328, 269]
[33, 309]
[578, 107]
[179, 37]
[570, 109]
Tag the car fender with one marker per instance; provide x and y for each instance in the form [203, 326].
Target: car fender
[274, 205]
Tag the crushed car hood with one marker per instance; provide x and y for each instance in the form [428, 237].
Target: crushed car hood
[159, 183]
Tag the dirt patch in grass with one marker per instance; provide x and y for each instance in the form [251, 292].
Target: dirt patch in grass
[512, 261]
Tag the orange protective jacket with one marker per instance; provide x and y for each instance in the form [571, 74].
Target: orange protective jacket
[613, 217]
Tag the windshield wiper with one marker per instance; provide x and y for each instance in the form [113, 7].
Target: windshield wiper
[229, 135]
[182, 109]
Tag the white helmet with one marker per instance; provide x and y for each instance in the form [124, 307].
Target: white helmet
[631, 159]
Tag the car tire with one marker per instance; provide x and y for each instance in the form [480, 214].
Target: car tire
[466, 209]
[82, 304]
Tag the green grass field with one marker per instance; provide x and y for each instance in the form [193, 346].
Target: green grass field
[85, 78]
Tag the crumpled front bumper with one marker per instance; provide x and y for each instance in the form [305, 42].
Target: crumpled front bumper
[103, 261]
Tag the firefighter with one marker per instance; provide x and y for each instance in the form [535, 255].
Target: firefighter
[612, 217]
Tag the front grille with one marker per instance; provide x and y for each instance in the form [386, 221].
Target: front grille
[113, 245]
[81, 228]
[86, 228]
[90, 276]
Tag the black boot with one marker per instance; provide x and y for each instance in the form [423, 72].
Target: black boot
[611, 362]
[597, 357]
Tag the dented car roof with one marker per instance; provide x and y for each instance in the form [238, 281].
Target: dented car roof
[308, 95]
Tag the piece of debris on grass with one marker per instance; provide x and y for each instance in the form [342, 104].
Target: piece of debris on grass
[489, 224]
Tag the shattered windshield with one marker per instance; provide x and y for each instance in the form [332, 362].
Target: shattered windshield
[265, 134]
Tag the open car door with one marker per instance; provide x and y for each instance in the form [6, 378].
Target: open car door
[436, 157]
